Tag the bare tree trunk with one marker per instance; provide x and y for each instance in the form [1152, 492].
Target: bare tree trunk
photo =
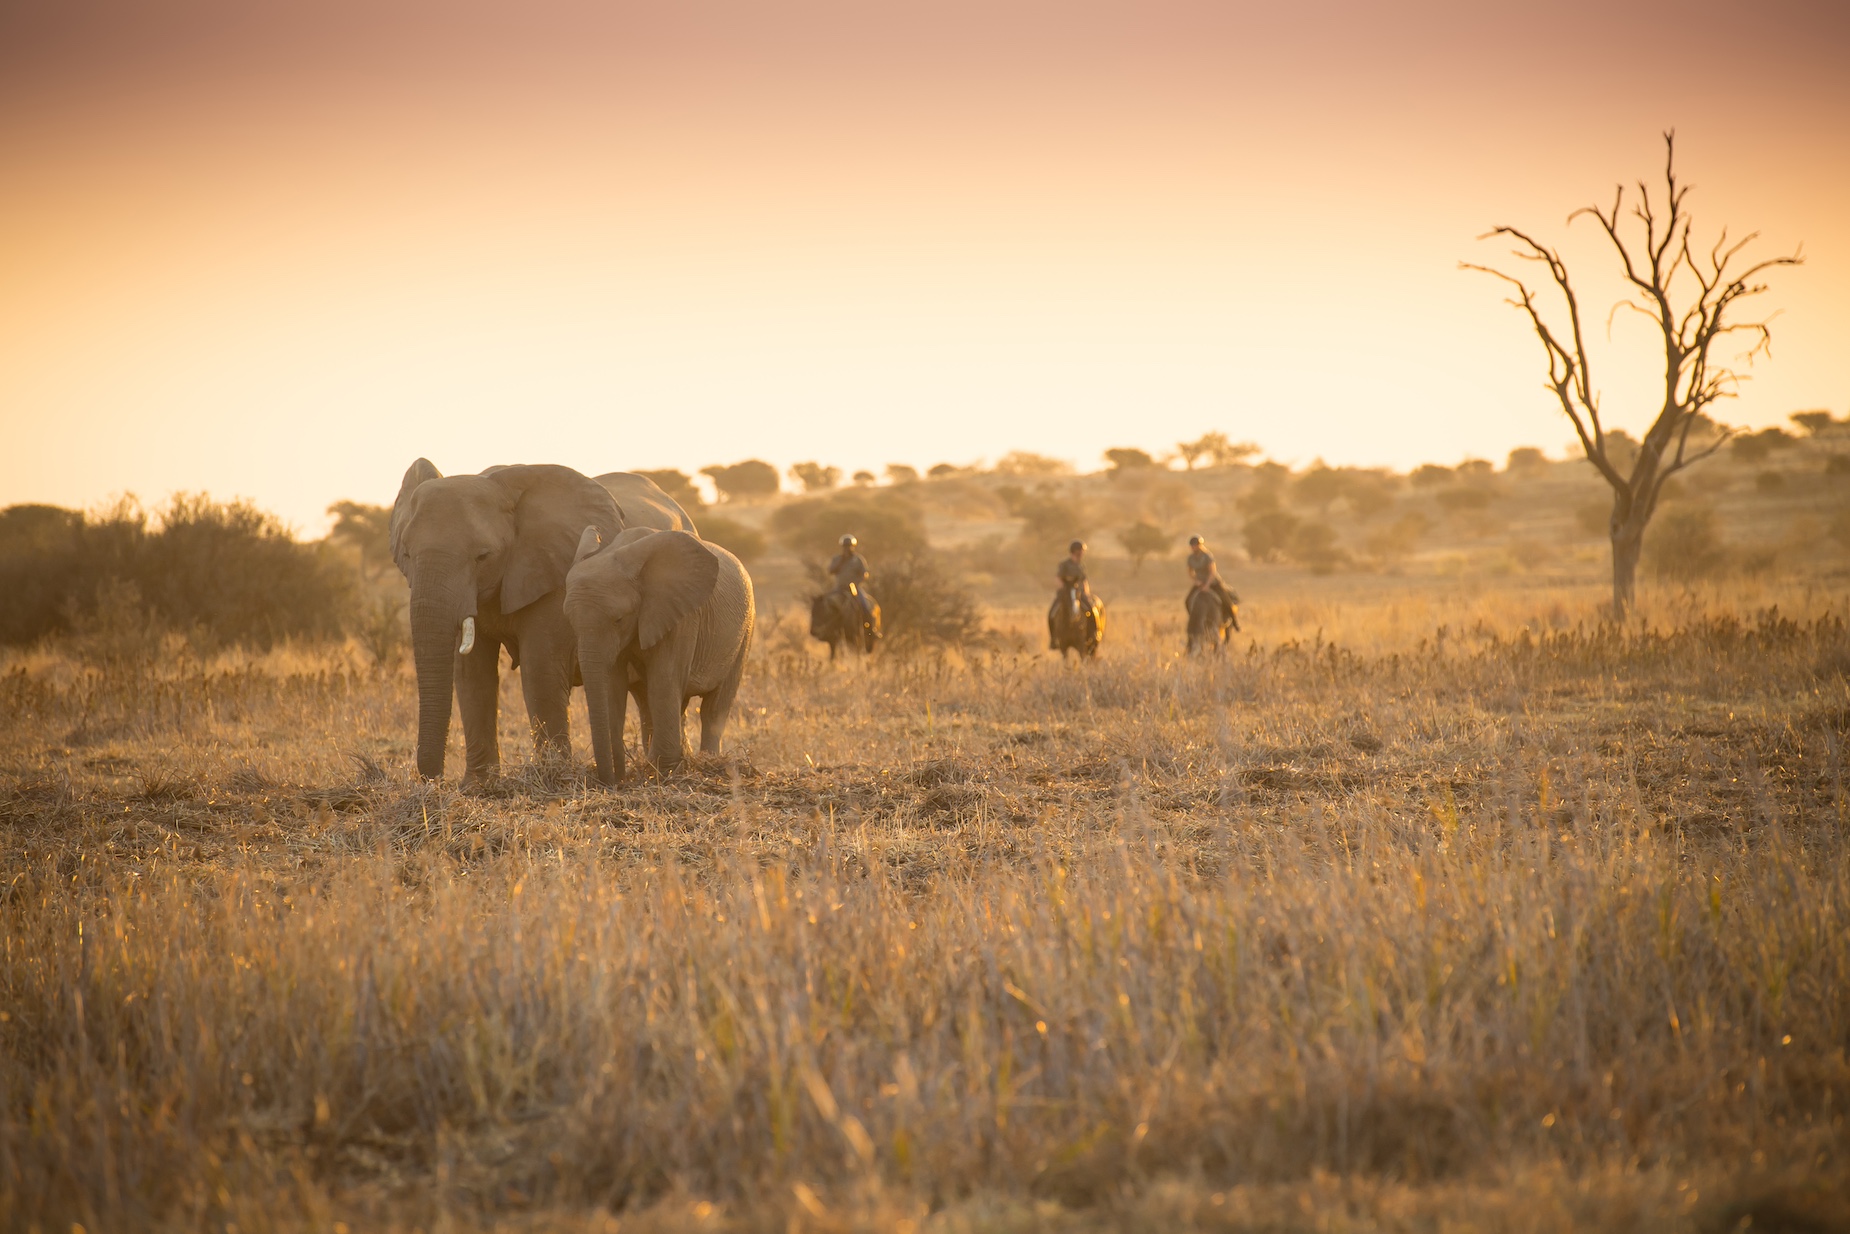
[1627, 541]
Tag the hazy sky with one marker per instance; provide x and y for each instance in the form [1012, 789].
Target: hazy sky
[281, 250]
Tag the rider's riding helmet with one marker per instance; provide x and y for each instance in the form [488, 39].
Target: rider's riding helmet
[1194, 541]
[849, 542]
[1077, 546]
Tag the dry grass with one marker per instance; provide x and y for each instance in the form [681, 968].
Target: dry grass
[1530, 926]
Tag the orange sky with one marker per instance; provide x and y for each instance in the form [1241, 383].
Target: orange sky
[279, 251]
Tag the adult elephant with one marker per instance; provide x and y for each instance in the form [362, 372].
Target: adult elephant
[486, 556]
[642, 503]
[667, 616]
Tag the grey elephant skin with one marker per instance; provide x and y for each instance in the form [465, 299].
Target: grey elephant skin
[667, 616]
[642, 503]
[486, 558]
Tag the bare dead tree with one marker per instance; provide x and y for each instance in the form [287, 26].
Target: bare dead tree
[1688, 294]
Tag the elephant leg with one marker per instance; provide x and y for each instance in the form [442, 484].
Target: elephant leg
[548, 656]
[607, 700]
[645, 719]
[667, 706]
[478, 685]
[716, 708]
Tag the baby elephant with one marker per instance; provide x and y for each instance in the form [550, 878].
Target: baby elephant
[668, 616]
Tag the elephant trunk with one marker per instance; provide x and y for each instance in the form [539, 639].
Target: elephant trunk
[603, 699]
[439, 606]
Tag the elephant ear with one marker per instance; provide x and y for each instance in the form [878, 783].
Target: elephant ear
[552, 505]
[588, 542]
[678, 575]
[415, 475]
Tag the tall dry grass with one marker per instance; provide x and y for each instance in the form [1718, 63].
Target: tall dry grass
[1518, 928]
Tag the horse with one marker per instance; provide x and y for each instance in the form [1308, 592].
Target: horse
[1078, 625]
[1209, 625]
[837, 618]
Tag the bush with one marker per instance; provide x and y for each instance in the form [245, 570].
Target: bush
[902, 473]
[1049, 520]
[1594, 518]
[1685, 545]
[888, 525]
[1399, 539]
[1027, 463]
[922, 604]
[742, 541]
[1268, 534]
[1464, 500]
[227, 571]
[1770, 481]
[1143, 539]
[1314, 546]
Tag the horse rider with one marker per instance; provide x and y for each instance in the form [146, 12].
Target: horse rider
[1072, 575]
[1203, 576]
[849, 570]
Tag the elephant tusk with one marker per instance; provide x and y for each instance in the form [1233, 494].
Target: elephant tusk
[468, 636]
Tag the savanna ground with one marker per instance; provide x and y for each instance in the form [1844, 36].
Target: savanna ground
[1437, 910]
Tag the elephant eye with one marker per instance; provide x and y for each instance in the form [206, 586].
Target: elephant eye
[482, 556]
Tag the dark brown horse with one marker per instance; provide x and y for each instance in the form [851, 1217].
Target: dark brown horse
[837, 618]
[1210, 624]
[1078, 623]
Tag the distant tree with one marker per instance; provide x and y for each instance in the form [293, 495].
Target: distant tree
[745, 481]
[1128, 458]
[1224, 453]
[814, 477]
[1658, 265]
[1049, 520]
[1028, 463]
[367, 530]
[902, 473]
[1476, 469]
[1526, 461]
[863, 478]
[1755, 447]
[1398, 539]
[1268, 534]
[1143, 539]
[1319, 487]
[940, 470]
[1686, 546]
[1815, 423]
[677, 485]
[888, 525]
[1431, 475]
[1202, 447]
[740, 539]
[1314, 546]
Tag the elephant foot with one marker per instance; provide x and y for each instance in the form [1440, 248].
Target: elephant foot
[481, 780]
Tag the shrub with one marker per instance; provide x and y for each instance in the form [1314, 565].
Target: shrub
[902, 473]
[1770, 481]
[740, 539]
[1318, 487]
[1269, 534]
[1464, 500]
[227, 571]
[1754, 447]
[1049, 520]
[1143, 539]
[42, 568]
[1399, 539]
[745, 481]
[1684, 545]
[1594, 518]
[922, 604]
[1313, 545]
[888, 525]
[864, 478]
